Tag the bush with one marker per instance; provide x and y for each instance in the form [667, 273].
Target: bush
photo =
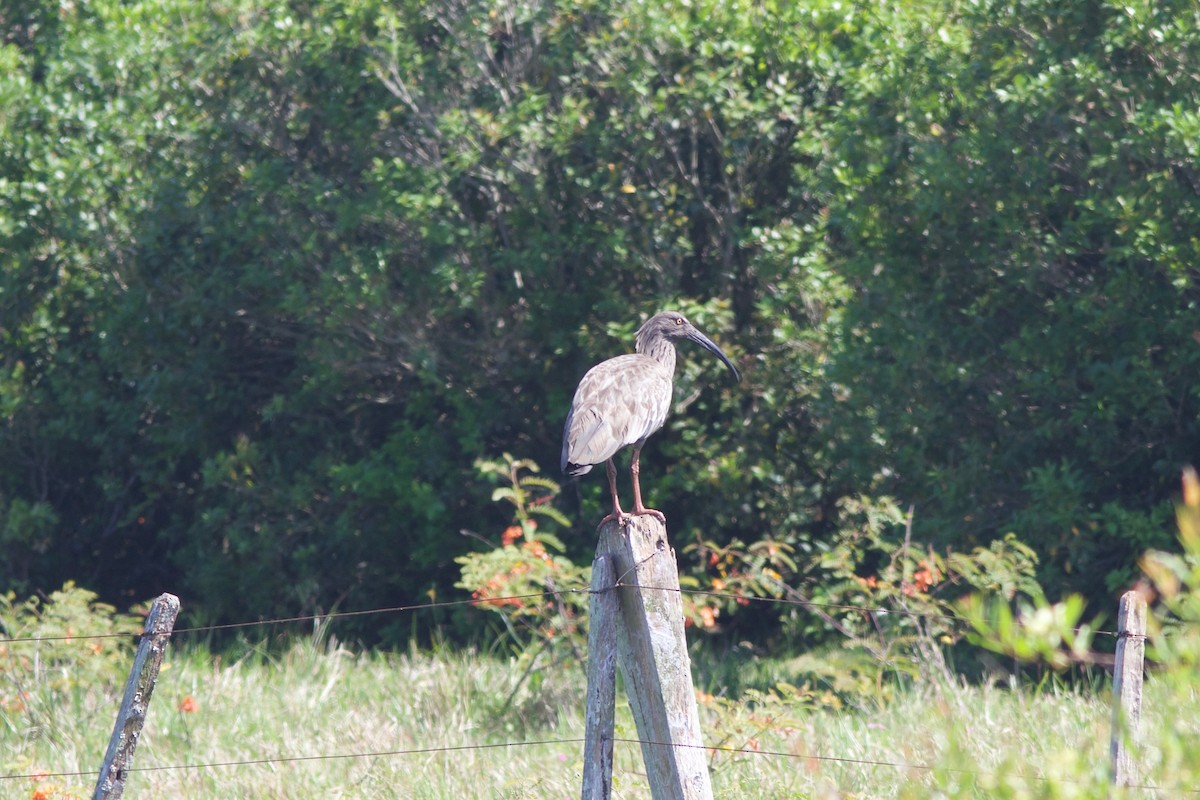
[275, 277]
[66, 645]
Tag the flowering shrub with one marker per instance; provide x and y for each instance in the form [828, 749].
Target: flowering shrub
[50, 647]
[897, 599]
[525, 578]
[729, 575]
[893, 601]
[63, 649]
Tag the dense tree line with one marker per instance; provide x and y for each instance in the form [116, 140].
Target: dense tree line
[275, 275]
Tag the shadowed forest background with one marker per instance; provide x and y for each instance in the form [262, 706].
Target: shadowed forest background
[275, 277]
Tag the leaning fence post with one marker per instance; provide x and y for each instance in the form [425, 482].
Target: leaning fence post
[1127, 686]
[115, 770]
[652, 652]
[601, 682]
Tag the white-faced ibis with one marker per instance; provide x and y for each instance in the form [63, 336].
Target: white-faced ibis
[623, 400]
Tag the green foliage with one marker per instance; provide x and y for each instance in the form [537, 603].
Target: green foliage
[1175, 643]
[876, 611]
[319, 697]
[1052, 633]
[1037, 632]
[272, 277]
[59, 648]
[895, 600]
[1013, 215]
[1176, 580]
[1005, 568]
[530, 494]
[26, 534]
[539, 595]
[725, 576]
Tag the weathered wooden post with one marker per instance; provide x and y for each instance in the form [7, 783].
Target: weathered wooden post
[1127, 686]
[652, 652]
[132, 715]
[603, 613]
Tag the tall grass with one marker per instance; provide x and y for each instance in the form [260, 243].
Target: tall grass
[320, 720]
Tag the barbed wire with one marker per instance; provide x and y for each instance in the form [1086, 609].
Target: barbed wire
[485, 601]
[41, 775]
[295, 759]
[877, 763]
[488, 601]
[835, 606]
[294, 619]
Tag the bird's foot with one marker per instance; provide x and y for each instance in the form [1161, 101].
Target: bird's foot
[623, 518]
[619, 517]
[640, 510]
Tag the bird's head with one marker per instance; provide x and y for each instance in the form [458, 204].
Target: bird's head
[671, 326]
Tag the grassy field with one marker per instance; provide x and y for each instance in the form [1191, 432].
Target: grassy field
[469, 735]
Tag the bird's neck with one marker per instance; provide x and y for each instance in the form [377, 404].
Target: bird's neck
[660, 349]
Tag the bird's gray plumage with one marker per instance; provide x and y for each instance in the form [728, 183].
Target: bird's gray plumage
[618, 403]
[621, 401]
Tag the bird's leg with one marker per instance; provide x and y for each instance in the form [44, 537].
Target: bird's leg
[617, 514]
[635, 469]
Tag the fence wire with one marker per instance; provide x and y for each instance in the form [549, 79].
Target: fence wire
[483, 602]
[712, 749]
[488, 601]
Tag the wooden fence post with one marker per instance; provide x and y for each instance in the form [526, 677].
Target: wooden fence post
[602, 682]
[652, 652]
[131, 717]
[1127, 686]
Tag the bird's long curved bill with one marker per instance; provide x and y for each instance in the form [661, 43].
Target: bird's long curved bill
[709, 345]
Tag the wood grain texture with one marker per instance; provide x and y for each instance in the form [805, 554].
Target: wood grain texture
[652, 653]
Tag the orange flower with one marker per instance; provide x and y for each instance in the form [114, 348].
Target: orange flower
[188, 705]
[708, 616]
[485, 597]
[537, 549]
[511, 534]
[39, 794]
[926, 577]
